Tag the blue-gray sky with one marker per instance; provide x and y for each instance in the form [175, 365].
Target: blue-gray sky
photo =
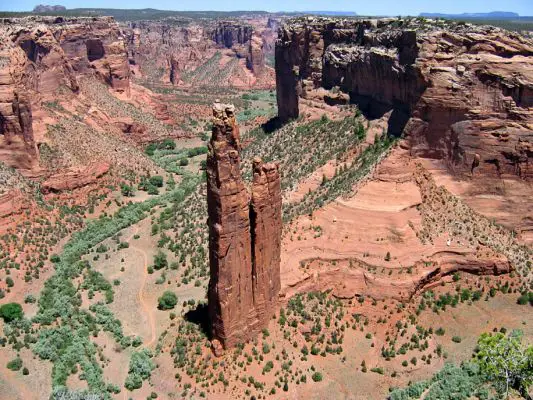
[366, 7]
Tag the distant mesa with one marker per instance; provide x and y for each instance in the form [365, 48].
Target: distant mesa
[333, 13]
[489, 15]
[42, 8]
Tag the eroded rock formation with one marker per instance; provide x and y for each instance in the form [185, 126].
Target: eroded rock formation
[40, 55]
[244, 236]
[229, 33]
[74, 179]
[178, 49]
[460, 93]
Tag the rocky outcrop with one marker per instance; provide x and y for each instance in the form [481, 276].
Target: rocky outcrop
[244, 236]
[255, 60]
[39, 55]
[457, 92]
[75, 179]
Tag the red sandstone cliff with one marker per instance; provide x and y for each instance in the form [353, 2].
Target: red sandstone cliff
[461, 93]
[244, 240]
[38, 56]
[176, 50]
[266, 225]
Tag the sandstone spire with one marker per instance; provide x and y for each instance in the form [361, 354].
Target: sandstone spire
[244, 236]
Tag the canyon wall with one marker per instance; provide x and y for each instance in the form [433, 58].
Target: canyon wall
[169, 50]
[457, 92]
[41, 55]
[244, 236]
[230, 33]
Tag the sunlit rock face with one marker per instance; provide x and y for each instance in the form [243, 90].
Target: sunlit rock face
[244, 236]
[457, 92]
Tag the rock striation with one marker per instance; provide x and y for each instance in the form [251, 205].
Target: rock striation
[75, 179]
[179, 49]
[244, 237]
[457, 92]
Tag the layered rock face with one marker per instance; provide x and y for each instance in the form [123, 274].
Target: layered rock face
[460, 93]
[229, 33]
[170, 50]
[244, 236]
[170, 47]
[38, 55]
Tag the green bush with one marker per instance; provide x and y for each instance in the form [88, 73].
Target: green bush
[15, 364]
[160, 260]
[126, 190]
[11, 311]
[152, 190]
[140, 368]
[168, 144]
[30, 299]
[167, 301]
[525, 298]
[156, 180]
[102, 248]
[456, 339]
[197, 151]
[317, 377]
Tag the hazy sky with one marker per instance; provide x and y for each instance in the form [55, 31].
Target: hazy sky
[366, 7]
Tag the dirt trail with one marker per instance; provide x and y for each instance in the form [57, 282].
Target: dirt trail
[147, 309]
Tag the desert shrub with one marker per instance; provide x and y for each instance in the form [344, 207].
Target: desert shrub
[317, 377]
[102, 248]
[140, 369]
[525, 298]
[9, 282]
[15, 364]
[197, 151]
[62, 393]
[30, 299]
[167, 301]
[451, 383]
[168, 144]
[456, 339]
[184, 162]
[160, 260]
[11, 311]
[156, 180]
[126, 190]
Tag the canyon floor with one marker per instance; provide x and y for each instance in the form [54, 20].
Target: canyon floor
[392, 265]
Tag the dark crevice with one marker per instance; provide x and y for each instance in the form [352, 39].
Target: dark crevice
[253, 218]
